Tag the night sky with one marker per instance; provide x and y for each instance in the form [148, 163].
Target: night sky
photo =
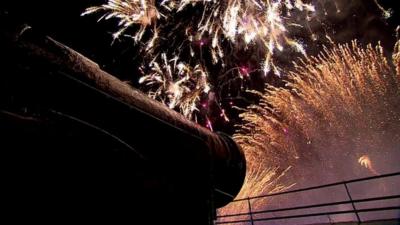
[358, 19]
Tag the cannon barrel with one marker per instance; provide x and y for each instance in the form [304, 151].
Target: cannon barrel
[69, 123]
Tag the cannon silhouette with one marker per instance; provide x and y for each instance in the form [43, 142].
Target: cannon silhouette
[80, 145]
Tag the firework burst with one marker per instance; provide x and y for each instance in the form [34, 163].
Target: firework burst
[241, 25]
[176, 84]
[245, 23]
[336, 107]
[129, 12]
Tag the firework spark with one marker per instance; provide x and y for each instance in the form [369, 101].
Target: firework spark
[129, 12]
[241, 24]
[335, 106]
[176, 84]
[255, 21]
[245, 23]
[386, 12]
[366, 162]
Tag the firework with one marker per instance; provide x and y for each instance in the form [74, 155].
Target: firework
[255, 21]
[241, 25]
[176, 84]
[245, 23]
[334, 108]
[129, 12]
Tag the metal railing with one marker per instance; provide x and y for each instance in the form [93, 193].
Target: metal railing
[254, 216]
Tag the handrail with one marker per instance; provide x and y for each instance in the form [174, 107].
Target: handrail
[321, 186]
[312, 215]
[314, 206]
[351, 202]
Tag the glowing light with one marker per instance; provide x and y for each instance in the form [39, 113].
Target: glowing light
[244, 70]
[239, 24]
[223, 115]
[209, 124]
[366, 162]
[176, 84]
[129, 12]
[336, 105]
[387, 13]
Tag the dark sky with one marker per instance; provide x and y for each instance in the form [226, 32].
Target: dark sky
[358, 19]
[61, 20]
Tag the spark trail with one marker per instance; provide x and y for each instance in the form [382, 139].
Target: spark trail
[334, 108]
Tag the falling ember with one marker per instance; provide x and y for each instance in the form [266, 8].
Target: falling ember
[386, 13]
[366, 162]
[334, 107]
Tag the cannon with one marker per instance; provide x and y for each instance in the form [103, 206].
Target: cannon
[78, 144]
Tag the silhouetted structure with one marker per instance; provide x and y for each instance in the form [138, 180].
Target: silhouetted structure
[80, 145]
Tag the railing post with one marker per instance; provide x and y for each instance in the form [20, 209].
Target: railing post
[352, 203]
[250, 212]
